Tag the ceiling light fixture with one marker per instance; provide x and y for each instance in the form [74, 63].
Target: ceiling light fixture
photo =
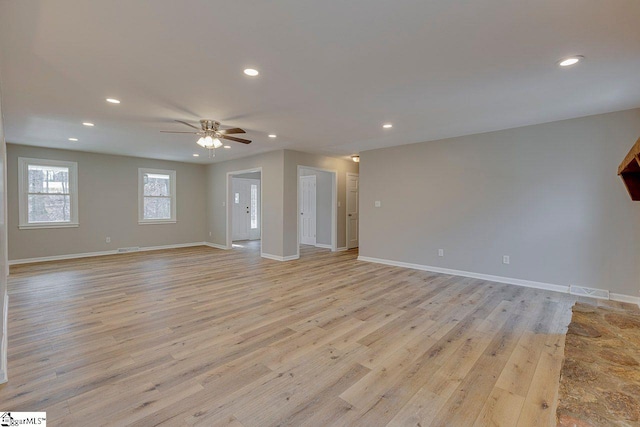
[196, 155]
[273, 135]
[572, 60]
[113, 101]
[88, 124]
[251, 72]
[387, 125]
[355, 159]
[73, 139]
[227, 146]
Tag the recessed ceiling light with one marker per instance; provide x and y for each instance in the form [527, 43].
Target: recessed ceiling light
[387, 125]
[113, 100]
[227, 146]
[88, 124]
[572, 60]
[196, 155]
[273, 135]
[73, 139]
[251, 72]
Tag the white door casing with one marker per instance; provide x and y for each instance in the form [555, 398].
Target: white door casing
[308, 210]
[353, 216]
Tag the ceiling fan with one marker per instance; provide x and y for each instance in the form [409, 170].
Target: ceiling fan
[211, 134]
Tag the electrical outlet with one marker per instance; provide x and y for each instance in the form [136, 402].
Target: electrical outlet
[505, 259]
[224, 203]
[108, 239]
[440, 252]
[339, 204]
[209, 234]
[377, 204]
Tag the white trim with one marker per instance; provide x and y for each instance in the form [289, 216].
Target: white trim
[624, 298]
[172, 183]
[23, 192]
[36, 226]
[323, 246]
[229, 206]
[342, 249]
[217, 246]
[334, 206]
[101, 253]
[499, 279]
[3, 342]
[278, 257]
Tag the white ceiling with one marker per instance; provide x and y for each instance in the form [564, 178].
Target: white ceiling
[331, 72]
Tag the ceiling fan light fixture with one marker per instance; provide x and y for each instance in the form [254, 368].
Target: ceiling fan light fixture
[217, 143]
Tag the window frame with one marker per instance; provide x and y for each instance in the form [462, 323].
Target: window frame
[23, 193]
[141, 196]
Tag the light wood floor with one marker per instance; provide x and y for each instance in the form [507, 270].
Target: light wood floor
[200, 336]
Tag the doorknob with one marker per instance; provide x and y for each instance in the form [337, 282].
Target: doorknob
[349, 214]
[301, 213]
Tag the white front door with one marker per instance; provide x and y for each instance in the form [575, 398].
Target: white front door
[353, 216]
[245, 198]
[308, 210]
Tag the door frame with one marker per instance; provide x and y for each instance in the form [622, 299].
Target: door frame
[346, 213]
[334, 206]
[230, 205]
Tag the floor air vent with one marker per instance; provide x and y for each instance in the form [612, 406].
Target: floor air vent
[589, 292]
[131, 249]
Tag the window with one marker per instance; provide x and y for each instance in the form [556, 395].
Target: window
[157, 196]
[48, 193]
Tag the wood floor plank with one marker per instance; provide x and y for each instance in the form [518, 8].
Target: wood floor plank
[201, 336]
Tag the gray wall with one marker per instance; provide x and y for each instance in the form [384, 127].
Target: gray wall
[547, 195]
[272, 164]
[293, 159]
[108, 205]
[323, 205]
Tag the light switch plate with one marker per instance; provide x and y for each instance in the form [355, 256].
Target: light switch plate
[377, 203]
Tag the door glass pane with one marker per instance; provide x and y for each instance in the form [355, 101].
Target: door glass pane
[254, 206]
[237, 198]
[49, 208]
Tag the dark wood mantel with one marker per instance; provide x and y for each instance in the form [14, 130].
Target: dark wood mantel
[629, 170]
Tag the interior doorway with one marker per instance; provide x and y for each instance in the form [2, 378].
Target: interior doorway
[353, 213]
[317, 207]
[244, 208]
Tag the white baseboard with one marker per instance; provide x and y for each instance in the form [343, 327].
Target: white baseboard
[278, 257]
[323, 246]
[217, 246]
[625, 298]
[499, 279]
[101, 253]
[344, 248]
[4, 377]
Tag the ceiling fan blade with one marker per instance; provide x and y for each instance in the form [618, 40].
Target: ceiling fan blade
[233, 138]
[177, 131]
[188, 124]
[231, 131]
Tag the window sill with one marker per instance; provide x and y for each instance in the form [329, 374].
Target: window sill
[48, 225]
[157, 221]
